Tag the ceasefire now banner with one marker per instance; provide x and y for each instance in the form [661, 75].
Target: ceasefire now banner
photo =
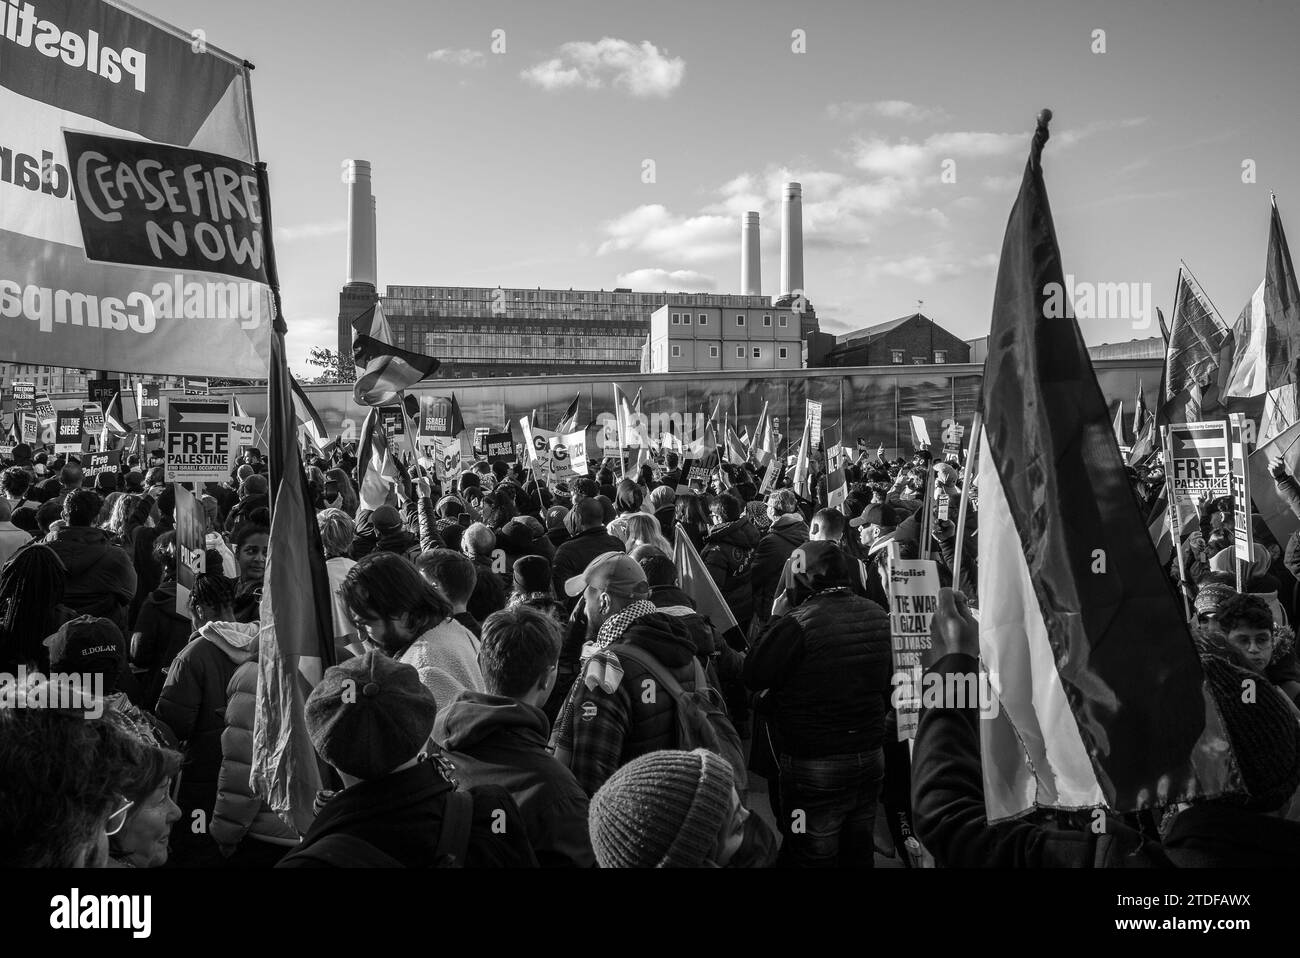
[94, 67]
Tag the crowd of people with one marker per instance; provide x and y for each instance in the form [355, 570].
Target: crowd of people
[525, 679]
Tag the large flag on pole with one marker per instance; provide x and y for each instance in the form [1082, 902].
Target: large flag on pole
[384, 370]
[694, 579]
[1197, 337]
[569, 421]
[1085, 644]
[1266, 337]
[1139, 412]
[1118, 426]
[376, 465]
[306, 416]
[296, 638]
[802, 465]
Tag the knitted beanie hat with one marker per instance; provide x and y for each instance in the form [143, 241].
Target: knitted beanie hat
[661, 810]
[1264, 734]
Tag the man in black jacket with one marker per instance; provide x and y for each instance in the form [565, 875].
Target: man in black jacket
[591, 540]
[824, 671]
[370, 718]
[101, 579]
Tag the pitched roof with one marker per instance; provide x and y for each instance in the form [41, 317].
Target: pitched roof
[873, 332]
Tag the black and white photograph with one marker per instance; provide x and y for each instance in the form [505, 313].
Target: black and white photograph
[740, 434]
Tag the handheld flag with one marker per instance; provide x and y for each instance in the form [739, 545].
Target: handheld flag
[569, 421]
[694, 579]
[305, 415]
[384, 370]
[1266, 337]
[1118, 426]
[1099, 685]
[376, 465]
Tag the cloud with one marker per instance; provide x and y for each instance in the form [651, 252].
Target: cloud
[304, 333]
[1001, 184]
[290, 234]
[653, 229]
[638, 69]
[926, 268]
[851, 111]
[459, 58]
[676, 281]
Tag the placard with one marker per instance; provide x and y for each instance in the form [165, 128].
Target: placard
[697, 471]
[102, 391]
[198, 441]
[97, 462]
[191, 545]
[67, 434]
[814, 424]
[392, 420]
[242, 431]
[500, 447]
[913, 601]
[195, 386]
[1243, 532]
[44, 408]
[24, 397]
[147, 403]
[1199, 461]
[569, 454]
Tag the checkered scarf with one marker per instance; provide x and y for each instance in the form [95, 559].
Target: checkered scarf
[613, 628]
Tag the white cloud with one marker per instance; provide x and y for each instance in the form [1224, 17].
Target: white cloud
[1001, 184]
[676, 281]
[638, 69]
[290, 234]
[939, 263]
[459, 58]
[851, 111]
[653, 229]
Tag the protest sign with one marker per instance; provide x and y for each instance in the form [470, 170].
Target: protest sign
[30, 427]
[814, 424]
[952, 436]
[44, 408]
[920, 434]
[913, 600]
[24, 397]
[697, 472]
[446, 456]
[837, 480]
[191, 541]
[1243, 533]
[100, 67]
[392, 420]
[98, 462]
[102, 391]
[92, 418]
[153, 432]
[196, 387]
[241, 431]
[198, 441]
[769, 477]
[569, 454]
[1198, 463]
[500, 447]
[67, 435]
[436, 416]
[147, 403]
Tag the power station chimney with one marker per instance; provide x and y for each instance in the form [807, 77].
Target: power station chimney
[374, 241]
[792, 240]
[751, 269]
[361, 224]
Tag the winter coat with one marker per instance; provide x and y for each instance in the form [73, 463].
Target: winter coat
[826, 669]
[446, 657]
[193, 704]
[494, 740]
[599, 732]
[490, 592]
[238, 812]
[163, 633]
[786, 534]
[728, 551]
[667, 517]
[101, 579]
[401, 815]
[574, 555]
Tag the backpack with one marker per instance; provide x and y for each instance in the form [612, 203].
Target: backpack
[340, 850]
[701, 714]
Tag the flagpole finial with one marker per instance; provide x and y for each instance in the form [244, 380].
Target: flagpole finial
[1040, 135]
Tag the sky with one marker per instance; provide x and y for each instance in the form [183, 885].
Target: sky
[510, 144]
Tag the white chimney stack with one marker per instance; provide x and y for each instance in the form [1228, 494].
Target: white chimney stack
[361, 223]
[751, 270]
[374, 241]
[792, 240]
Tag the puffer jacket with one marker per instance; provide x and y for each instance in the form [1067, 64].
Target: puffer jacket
[728, 552]
[786, 534]
[825, 667]
[163, 633]
[101, 579]
[238, 812]
[193, 704]
[600, 731]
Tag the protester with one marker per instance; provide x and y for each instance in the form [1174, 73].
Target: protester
[643, 529]
[693, 516]
[336, 534]
[499, 736]
[32, 587]
[397, 809]
[148, 772]
[728, 553]
[398, 612]
[455, 577]
[161, 630]
[591, 540]
[532, 587]
[787, 532]
[479, 545]
[11, 537]
[101, 580]
[251, 541]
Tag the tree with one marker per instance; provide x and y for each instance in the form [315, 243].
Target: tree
[335, 367]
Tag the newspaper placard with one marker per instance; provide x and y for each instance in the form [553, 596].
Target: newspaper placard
[1243, 533]
[913, 601]
[198, 441]
[24, 397]
[67, 434]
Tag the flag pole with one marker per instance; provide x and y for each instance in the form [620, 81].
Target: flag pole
[965, 500]
[1175, 530]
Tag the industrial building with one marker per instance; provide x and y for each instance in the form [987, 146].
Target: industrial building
[914, 340]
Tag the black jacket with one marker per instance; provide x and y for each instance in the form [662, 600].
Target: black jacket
[786, 534]
[101, 579]
[163, 633]
[573, 556]
[826, 666]
[489, 594]
[728, 550]
[401, 814]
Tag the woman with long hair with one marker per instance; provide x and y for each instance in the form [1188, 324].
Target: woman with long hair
[693, 517]
[31, 606]
[121, 516]
[643, 530]
[340, 493]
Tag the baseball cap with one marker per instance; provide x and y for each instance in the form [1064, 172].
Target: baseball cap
[88, 644]
[880, 514]
[386, 519]
[614, 572]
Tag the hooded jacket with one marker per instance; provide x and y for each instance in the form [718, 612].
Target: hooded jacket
[573, 556]
[193, 703]
[600, 731]
[101, 579]
[786, 534]
[494, 740]
[238, 812]
[163, 633]
[728, 549]
[401, 814]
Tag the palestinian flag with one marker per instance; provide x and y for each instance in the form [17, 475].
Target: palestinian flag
[384, 370]
[306, 417]
[1266, 337]
[1098, 683]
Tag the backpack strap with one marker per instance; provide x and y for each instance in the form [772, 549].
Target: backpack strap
[453, 841]
[657, 669]
[340, 850]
